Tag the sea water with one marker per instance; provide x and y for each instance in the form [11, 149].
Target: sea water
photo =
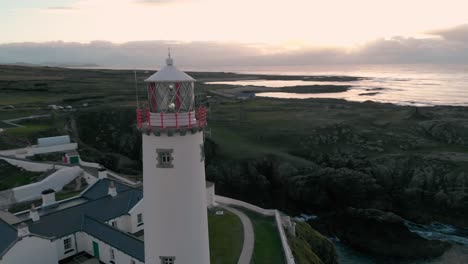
[434, 231]
[419, 85]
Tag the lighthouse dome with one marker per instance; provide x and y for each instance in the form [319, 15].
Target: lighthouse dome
[170, 73]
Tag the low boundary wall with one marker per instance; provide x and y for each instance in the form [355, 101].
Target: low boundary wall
[289, 258]
[32, 165]
[35, 149]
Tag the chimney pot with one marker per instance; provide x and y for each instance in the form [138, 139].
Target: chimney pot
[102, 174]
[23, 230]
[112, 189]
[48, 197]
[34, 214]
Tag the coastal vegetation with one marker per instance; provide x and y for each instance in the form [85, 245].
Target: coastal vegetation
[309, 246]
[12, 176]
[319, 156]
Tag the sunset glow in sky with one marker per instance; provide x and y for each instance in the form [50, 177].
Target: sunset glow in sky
[288, 24]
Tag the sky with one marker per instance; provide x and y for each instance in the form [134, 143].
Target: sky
[104, 32]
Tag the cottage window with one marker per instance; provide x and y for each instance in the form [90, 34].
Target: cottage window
[67, 244]
[139, 218]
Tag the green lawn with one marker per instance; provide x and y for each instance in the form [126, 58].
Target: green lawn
[27, 130]
[268, 249]
[226, 237]
[31, 130]
[12, 176]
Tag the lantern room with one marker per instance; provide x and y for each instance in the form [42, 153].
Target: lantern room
[171, 101]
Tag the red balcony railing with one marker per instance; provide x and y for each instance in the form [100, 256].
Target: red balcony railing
[181, 120]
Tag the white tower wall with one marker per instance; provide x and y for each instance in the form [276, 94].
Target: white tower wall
[175, 210]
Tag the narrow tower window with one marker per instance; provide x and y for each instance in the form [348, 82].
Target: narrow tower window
[167, 260]
[202, 152]
[164, 158]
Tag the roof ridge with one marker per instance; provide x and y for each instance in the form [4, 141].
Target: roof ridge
[111, 227]
[88, 201]
[130, 201]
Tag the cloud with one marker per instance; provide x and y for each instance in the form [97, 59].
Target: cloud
[227, 55]
[158, 2]
[139, 54]
[60, 8]
[458, 34]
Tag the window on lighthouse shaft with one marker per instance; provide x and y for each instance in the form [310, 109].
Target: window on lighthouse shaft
[164, 158]
[167, 260]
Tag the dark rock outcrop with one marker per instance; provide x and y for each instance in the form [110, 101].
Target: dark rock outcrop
[380, 233]
[453, 131]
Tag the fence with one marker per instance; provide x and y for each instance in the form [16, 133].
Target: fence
[177, 120]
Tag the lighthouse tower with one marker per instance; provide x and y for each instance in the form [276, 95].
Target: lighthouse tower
[175, 212]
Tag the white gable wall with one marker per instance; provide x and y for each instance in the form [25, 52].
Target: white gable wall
[59, 245]
[134, 225]
[123, 223]
[31, 249]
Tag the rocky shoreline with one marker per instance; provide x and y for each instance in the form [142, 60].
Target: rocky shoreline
[379, 233]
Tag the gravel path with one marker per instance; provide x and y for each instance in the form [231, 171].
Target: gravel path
[249, 236]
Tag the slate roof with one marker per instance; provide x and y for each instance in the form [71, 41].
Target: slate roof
[94, 208]
[68, 221]
[100, 189]
[8, 236]
[115, 238]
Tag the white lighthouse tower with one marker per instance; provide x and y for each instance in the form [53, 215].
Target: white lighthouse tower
[175, 212]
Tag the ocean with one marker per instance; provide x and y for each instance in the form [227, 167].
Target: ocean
[418, 85]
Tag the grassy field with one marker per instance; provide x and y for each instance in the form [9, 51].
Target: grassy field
[267, 249]
[226, 237]
[12, 176]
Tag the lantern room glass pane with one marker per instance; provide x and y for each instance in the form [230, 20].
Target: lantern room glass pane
[171, 97]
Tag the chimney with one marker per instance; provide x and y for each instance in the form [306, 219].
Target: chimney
[112, 189]
[34, 214]
[23, 230]
[102, 173]
[48, 197]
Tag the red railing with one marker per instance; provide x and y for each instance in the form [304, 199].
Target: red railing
[139, 118]
[202, 116]
[148, 120]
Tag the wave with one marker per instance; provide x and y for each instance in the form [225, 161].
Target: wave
[439, 231]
